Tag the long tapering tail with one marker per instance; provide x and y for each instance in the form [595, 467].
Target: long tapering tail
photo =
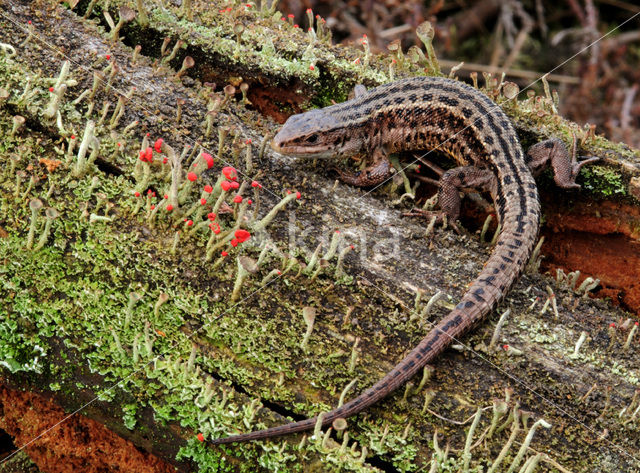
[499, 273]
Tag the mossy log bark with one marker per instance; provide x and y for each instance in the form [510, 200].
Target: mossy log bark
[120, 311]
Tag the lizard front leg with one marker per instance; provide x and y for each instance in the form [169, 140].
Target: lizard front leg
[450, 185]
[376, 173]
[565, 167]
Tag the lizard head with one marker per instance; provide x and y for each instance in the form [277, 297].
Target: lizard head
[315, 134]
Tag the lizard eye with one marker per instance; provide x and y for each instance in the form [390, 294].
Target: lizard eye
[312, 138]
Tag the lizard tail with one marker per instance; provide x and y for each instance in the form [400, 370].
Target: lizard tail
[433, 344]
[499, 273]
[520, 221]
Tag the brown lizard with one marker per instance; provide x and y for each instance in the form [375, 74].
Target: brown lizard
[427, 113]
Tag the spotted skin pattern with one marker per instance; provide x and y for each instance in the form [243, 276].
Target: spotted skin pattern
[424, 113]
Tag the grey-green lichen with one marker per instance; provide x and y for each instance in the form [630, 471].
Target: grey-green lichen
[48, 293]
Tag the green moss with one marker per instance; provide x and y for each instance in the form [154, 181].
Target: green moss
[603, 181]
[208, 461]
[19, 351]
[129, 417]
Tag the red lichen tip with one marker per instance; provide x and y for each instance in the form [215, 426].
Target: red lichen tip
[234, 242]
[203, 201]
[189, 223]
[242, 235]
[201, 437]
[169, 208]
[224, 253]
[237, 199]
[192, 176]
[209, 159]
[208, 189]
[136, 193]
[211, 216]
[612, 325]
[505, 347]
[108, 56]
[226, 185]
[290, 15]
[255, 184]
[230, 173]
[298, 195]
[158, 145]
[311, 68]
[235, 185]
[166, 196]
[51, 89]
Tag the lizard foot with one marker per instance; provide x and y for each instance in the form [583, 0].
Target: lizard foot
[565, 166]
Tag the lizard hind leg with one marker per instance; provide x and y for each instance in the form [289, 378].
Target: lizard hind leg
[565, 167]
[451, 183]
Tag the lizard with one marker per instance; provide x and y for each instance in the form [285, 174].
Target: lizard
[427, 113]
